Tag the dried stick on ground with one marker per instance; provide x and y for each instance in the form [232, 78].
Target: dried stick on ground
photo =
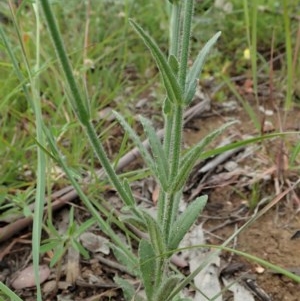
[67, 194]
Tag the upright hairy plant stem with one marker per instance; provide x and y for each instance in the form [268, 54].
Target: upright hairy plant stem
[176, 145]
[183, 62]
[177, 118]
[174, 50]
[168, 117]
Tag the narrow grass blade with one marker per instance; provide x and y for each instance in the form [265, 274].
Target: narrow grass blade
[222, 149]
[196, 69]
[189, 159]
[256, 259]
[161, 162]
[8, 292]
[170, 82]
[185, 221]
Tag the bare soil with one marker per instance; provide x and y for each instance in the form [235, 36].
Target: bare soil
[275, 236]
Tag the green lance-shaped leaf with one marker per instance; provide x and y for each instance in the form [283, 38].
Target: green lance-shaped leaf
[160, 160]
[166, 288]
[190, 158]
[133, 216]
[173, 62]
[185, 221]
[122, 258]
[197, 67]
[167, 106]
[128, 290]
[171, 84]
[155, 233]
[147, 263]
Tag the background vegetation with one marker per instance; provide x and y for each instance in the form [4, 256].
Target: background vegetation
[114, 70]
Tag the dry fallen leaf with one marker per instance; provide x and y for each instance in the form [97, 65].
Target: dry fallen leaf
[207, 281]
[240, 293]
[155, 195]
[95, 243]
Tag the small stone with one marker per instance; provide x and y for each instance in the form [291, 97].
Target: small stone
[25, 278]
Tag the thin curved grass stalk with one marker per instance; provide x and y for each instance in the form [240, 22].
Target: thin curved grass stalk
[79, 104]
